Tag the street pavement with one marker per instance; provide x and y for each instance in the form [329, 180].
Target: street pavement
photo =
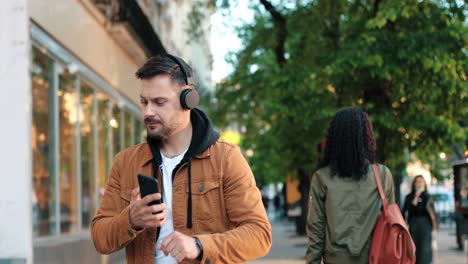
[288, 248]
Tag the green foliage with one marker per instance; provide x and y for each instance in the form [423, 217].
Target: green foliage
[404, 62]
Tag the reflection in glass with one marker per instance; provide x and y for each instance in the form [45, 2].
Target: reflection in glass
[104, 125]
[137, 127]
[43, 183]
[140, 131]
[68, 117]
[128, 121]
[86, 118]
[81, 120]
[116, 125]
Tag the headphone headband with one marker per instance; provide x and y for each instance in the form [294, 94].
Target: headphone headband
[189, 80]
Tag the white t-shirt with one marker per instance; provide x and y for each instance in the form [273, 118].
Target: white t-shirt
[168, 165]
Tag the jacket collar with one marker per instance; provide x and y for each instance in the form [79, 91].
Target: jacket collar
[147, 156]
[205, 154]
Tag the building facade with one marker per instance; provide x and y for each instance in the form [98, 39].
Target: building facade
[172, 21]
[80, 100]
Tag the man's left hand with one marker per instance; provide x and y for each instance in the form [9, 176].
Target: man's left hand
[179, 246]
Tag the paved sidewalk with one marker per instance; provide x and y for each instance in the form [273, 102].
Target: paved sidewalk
[447, 251]
[288, 248]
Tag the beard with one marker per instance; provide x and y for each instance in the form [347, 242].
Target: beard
[161, 134]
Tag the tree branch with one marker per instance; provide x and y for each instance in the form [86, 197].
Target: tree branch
[376, 7]
[280, 22]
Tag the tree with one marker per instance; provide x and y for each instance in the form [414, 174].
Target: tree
[404, 62]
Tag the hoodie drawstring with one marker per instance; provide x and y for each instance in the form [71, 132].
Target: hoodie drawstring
[189, 202]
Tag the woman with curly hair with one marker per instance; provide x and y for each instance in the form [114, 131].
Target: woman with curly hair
[344, 201]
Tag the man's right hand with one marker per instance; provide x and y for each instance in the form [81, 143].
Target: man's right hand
[144, 216]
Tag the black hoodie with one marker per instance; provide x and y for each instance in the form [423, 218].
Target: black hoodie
[203, 136]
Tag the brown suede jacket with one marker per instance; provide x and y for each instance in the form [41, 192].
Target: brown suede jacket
[226, 211]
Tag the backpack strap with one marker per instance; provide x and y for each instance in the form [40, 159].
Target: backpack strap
[379, 186]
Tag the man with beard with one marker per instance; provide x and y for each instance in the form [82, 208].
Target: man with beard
[211, 210]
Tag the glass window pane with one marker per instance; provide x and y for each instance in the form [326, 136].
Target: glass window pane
[143, 131]
[68, 117]
[128, 129]
[137, 128]
[103, 124]
[86, 115]
[140, 131]
[116, 126]
[43, 184]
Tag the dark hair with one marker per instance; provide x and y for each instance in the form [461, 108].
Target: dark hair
[161, 64]
[350, 145]
[413, 185]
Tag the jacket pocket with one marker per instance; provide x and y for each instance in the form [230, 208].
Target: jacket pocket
[206, 200]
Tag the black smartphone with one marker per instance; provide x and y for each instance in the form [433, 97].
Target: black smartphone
[148, 185]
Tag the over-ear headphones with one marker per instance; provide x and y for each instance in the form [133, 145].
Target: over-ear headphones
[189, 98]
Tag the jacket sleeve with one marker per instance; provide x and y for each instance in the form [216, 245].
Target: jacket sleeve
[110, 227]
[316, 221]
[251, 237]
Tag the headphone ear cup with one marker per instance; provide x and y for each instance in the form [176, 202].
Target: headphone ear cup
[189, 98]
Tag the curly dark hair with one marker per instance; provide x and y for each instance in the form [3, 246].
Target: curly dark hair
[350, 145]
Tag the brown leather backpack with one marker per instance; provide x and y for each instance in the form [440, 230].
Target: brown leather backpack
[391, 240]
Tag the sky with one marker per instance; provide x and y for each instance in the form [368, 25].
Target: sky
[224, 39]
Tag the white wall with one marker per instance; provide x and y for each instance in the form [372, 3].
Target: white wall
[15, 134]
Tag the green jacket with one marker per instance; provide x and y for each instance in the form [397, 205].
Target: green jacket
[342, 215]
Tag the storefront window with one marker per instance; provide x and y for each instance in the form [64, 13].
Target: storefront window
[68, 118]
[137, 128]
[103, 125]
[128, 138]
[87, 117]
[116, 125]
[43, 183]
[76, 132]
[140, 131]
[143, 131]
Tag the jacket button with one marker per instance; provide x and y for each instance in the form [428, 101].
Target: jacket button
[207, 261]
[130, 233]
[202, 188]
[149, 233]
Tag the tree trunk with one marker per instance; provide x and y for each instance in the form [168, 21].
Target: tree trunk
[304, 185]
[285, 199]
[397, 177]
[381, 142]
[379, 95]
